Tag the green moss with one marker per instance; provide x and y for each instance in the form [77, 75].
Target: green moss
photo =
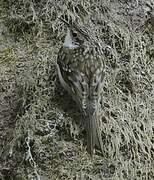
[8, 57]
[47, 123]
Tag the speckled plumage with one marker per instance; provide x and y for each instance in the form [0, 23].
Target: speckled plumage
[81, 73]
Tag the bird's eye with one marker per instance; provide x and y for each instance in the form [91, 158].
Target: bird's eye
[74, 34]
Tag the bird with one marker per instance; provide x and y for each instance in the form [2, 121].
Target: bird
[81, 73]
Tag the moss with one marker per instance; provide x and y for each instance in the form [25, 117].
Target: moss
[8, 57]
[45, 137]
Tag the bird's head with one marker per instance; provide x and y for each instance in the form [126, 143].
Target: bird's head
[75, 36]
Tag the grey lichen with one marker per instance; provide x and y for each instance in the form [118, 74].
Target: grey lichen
[34, 106]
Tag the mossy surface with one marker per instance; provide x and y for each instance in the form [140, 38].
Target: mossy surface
[41, 133]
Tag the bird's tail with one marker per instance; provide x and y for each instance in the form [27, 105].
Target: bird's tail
[93, 134]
